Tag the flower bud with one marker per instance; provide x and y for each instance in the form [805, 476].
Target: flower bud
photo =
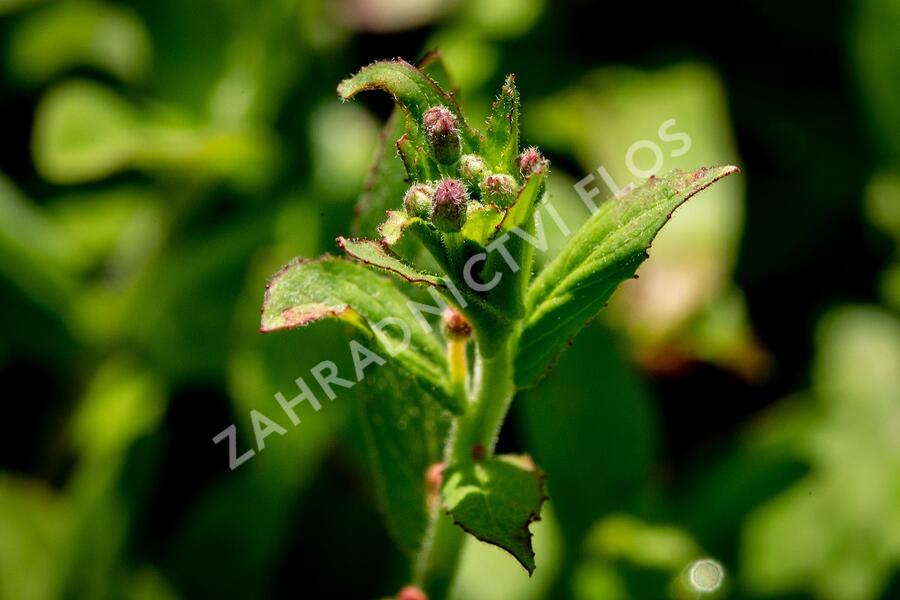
[448, 210]
[456, 327]
[417, 200]
[500, 189]
[472, 169]
[442, 132]
[411, 592]
[531, 160]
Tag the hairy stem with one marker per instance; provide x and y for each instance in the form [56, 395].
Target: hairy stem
[474, 434]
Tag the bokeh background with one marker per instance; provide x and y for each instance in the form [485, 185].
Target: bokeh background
[159, 159]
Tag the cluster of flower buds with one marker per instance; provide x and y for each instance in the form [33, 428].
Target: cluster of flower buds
[446, 202]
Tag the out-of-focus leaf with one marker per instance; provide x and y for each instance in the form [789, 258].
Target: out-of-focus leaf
[310, 290]
[343, 138]
[117, 227]
[835, 532]
[122, 404]
[84, 132]
[182, 281]
[113, 429]
[630, 558]
[404, 437]
[883, 203]
[32, 525]
[876, 51]
[596, 443]
[63, 35]
[603, 253]
[392, 15]
[502, 19]
[496, 500]
[37, 255]
[624, 537]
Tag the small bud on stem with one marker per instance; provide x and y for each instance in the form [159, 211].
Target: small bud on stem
[442, 131]
[500, 189]
[472, 169]
[531, 160]
[418, 199]
[456, 327]
[448, 210]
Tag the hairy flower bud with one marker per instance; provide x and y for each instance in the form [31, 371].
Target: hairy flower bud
[531, 160]
[472, 169]
[448, 209]
[500, 189]
[417, 200]
[456, 327]
[442, 131]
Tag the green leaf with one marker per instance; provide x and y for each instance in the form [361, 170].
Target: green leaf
[519, 211]
[411, 88]
[482, 223]
[64, 35]
[379, 255]
[495, 500]
[606, 251]
[400, 157]
[306, 291]
[501, 144]
[507, 297]
[403, 439]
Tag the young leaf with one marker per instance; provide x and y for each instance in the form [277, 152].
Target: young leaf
[386, 182]
[520, 210]
[606, 251]
[481, 224]
[377, 254]
[501, 144]
[306, 291]
[495, 500]
[411, 88]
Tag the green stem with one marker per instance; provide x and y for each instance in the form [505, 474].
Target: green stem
[478, 427]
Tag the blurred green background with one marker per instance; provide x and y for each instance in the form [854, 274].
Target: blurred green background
[160, 159]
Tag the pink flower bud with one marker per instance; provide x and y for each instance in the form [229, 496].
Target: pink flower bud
[442, 131]
[500, 189]
[411, 592]
[531, 160]
[418, 199]
[448, 210]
